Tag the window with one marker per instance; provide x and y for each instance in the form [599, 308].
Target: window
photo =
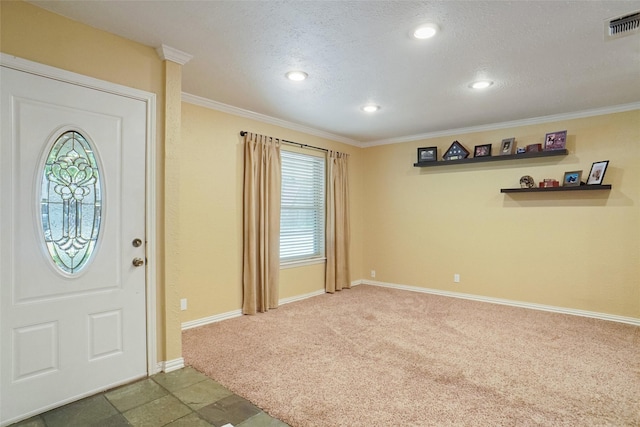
[302, 207]
[71, 202]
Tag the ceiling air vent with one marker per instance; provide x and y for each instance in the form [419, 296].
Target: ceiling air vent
[622, 26]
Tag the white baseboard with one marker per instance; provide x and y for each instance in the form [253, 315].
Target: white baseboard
[593, 314]
[301, 297]
[171, 365]
[211, 319]
[237, 313]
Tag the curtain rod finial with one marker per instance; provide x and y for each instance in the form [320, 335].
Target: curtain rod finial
[243, 133]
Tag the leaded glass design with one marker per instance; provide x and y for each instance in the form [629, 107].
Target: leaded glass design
[71, 202]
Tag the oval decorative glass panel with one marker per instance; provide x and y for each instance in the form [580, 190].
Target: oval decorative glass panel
[71, 202]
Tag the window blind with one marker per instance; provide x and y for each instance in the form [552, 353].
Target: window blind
[302, 215]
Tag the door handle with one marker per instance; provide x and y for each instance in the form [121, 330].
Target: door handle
[137, 262]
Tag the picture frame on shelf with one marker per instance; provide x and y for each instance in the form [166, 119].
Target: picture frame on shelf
[555, 140]
[533, 148]
[456, 151]
[572, 179]
[507, 146]
[596, 174]
[482, 150]
[427, 154]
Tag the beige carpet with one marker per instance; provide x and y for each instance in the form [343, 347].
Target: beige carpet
[373, 356]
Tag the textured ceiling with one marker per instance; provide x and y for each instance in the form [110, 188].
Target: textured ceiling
[545, 57]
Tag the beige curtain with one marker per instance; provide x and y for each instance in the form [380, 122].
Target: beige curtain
[261, 266]
[337, 276]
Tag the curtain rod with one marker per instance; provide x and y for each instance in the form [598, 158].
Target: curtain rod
[244, 132]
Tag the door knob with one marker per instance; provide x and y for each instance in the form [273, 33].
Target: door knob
[137, 262]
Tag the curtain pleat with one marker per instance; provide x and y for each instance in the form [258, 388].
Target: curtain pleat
[337, 275]
[261, 258]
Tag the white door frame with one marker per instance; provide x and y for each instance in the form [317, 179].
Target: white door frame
[149, 99]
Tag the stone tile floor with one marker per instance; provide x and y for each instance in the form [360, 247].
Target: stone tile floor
[182, 398]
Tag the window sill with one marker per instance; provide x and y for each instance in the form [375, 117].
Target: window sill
[301, 263]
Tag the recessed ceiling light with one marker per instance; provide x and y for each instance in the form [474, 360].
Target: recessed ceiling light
[370, 108]
[425, 31]
[481, 84]
[297, 76]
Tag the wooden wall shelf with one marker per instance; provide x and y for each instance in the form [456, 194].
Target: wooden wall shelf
[522, 156]
[551, 189]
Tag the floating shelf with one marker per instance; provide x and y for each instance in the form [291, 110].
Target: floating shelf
[551, 189]
[522, 156]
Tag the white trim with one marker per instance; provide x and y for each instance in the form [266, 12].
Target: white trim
[150, 231]
[511, 303]
[225, 108]
[506, 125]
[214, 105]
[171, 365]
[592, 314]
[301, 297]
[149, 99]
[237, 313]
[167, 53]
[36, 68]
[211, 319]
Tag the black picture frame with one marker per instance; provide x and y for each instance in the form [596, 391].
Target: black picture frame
[555, 140]
[482, 150]
[507, 146]
[596, 174]
[572, 179]
[427, 154]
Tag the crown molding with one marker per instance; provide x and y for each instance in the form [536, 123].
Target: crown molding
[167, 53]
[225, 108]
[506, 125]
[214, 105]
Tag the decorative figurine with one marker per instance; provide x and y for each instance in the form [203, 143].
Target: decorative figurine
[527, 182]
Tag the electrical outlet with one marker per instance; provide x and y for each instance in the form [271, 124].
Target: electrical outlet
[373, 273]
[456, 278]
[183, 304]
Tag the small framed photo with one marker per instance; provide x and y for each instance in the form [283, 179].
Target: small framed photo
[507, 146]
[555, 140]
[482, 150]
[596, 175]
[572, 179]
[427, 154]
[534, 148]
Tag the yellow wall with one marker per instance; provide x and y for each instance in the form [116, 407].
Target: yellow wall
[413, 226]
[574, 250]
[211, 176]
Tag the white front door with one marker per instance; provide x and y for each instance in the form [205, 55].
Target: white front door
[72, 204]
